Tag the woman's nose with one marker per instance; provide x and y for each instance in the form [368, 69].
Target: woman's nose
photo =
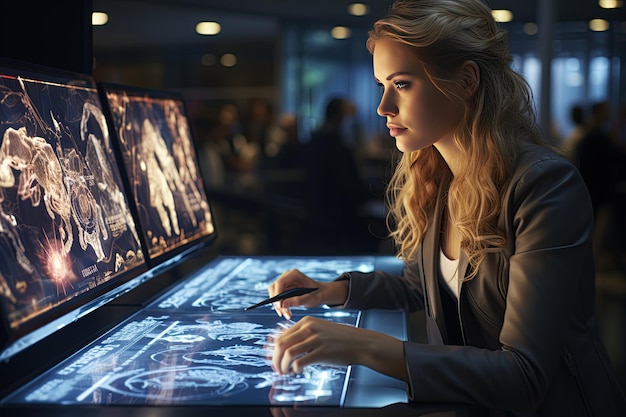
[385, 107]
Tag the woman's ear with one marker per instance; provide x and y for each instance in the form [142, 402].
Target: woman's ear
[470, 78]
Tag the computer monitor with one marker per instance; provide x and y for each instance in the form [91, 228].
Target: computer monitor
[66, 230]
[152, 133]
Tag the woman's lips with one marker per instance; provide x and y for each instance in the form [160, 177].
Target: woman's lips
[396, 131]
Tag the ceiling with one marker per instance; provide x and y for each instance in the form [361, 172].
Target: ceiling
[160, 23]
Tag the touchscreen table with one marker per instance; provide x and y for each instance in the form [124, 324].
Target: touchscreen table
[195, 344]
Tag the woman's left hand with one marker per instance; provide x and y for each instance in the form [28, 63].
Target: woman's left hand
[313, 340]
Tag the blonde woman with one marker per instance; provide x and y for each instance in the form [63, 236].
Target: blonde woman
[494, 228]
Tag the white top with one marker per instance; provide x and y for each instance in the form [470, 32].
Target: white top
[449, 269]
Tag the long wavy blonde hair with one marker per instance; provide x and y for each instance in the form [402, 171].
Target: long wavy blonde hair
[498, 117]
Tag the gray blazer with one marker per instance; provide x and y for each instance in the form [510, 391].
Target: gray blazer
[527, 341]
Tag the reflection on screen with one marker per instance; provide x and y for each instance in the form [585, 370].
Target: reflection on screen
[65, 225]
[158, 151]
[201, 353]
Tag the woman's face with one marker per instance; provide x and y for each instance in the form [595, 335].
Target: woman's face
[418, 114]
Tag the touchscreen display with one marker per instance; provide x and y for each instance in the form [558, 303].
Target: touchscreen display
[194, 346]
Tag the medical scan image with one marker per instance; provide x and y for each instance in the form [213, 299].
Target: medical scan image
[65, 224]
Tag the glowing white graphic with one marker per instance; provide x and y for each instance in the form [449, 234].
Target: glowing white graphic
[155, 140]
[40, 177]
[85, 210]
[113, 200]
[161, 171]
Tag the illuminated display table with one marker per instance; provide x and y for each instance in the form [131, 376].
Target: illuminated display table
[195, 345]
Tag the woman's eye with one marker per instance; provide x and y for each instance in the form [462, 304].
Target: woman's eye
[401, 84]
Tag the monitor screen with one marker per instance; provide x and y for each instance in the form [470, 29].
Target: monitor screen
[66, 231]
[154, 139]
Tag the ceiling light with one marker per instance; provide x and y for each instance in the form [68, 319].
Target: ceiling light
[99, 18]
[531, 28]
[358, 9]
[340, 32]
[598, 25]
[228, 60]
[208, 60]
[208, 28]
[610, 4]
[502, 15]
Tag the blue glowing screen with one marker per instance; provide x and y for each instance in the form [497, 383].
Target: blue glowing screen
[195, 344]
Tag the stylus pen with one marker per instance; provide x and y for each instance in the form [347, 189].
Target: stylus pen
[293, 292]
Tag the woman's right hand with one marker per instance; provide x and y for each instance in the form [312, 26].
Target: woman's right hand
[328, 293]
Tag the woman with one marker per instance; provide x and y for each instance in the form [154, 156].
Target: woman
[494, 227]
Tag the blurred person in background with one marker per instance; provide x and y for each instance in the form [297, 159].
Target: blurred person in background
[572, 140]
[335, 191]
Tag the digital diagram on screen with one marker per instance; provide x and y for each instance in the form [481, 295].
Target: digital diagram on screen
[233, 283]
[65, 223]
[188, 348]
[160, 159]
